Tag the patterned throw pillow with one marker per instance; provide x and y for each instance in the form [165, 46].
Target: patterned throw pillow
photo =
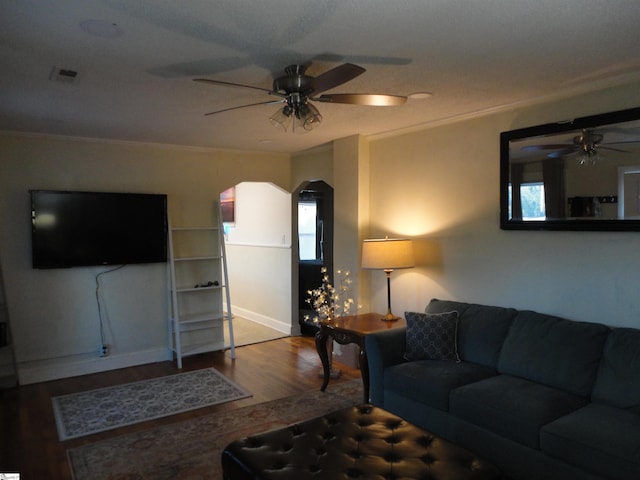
[432, 336]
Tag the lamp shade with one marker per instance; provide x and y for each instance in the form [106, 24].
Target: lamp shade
[387, 254]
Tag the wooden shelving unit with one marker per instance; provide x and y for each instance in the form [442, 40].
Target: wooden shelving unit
[198, 280]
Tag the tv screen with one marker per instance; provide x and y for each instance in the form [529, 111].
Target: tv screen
[72, 229]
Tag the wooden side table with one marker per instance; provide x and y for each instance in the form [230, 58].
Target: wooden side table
[351, 329]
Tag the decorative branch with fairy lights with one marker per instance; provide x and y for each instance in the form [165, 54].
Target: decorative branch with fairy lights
[331, 301]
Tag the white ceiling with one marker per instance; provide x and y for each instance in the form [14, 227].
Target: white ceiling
[472, 55]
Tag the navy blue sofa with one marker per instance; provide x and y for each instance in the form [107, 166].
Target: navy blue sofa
[539, 396]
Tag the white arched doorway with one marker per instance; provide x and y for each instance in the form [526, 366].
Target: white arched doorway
[258, 246]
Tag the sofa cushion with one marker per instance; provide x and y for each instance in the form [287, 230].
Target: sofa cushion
[431, 336]
[598, 438]
[512, 407]
[617, 382]
[481, 329]
[431, 381]
[553, 351]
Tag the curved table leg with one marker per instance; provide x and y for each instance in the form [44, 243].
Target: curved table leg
[321, 346]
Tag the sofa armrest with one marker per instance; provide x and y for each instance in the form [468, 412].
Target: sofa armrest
[384, 349]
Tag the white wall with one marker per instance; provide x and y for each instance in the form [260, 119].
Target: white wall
[259, 256]
[53, 313]
[441, 187]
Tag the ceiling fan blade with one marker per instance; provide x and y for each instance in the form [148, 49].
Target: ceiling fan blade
[603, 147]
[336, 76]
[623, 142]
[245, 106]
[558, 146]
[370, 99]
[229, 84]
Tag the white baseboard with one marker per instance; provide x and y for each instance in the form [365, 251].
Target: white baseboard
[75, 365]
[264, 320]
[72, 366]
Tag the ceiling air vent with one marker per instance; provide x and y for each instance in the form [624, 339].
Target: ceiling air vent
[64, 75]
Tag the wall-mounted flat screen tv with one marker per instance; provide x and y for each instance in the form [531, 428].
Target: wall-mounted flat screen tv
[73, 229]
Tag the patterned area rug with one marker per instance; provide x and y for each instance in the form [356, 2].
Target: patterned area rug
[191, 449]
[84, 413]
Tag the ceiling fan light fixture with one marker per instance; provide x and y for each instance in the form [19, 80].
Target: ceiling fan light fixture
[311, 118]
[302, 117]
[589, 157]
[282, 118]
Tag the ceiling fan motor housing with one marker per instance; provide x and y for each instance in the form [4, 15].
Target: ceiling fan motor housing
[295, 81]
[588, 137]
[588, 141]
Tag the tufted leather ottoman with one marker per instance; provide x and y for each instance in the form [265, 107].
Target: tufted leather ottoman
[357, 442]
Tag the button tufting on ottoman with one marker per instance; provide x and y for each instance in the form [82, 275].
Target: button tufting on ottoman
[363, 442]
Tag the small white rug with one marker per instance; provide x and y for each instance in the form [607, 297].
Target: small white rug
[84, 413]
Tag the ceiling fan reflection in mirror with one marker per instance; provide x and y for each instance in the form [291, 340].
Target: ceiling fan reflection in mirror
[295, 91]
[587, 146]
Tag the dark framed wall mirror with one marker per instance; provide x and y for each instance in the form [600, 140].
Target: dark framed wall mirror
[582, 174]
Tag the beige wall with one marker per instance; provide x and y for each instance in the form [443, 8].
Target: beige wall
[351, 205]
[314, 164]
[54, 313]
[440, 186]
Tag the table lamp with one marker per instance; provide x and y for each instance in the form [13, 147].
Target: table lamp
[387, 254]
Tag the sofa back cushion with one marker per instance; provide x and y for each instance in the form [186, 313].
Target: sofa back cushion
[553, 351]
[481, 329]
[618, 380]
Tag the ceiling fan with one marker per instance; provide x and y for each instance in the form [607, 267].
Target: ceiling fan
[296, 90]
[586, 145]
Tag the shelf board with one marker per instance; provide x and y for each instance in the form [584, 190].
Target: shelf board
[192, 327]
[192, 259]
[200, 317]
[187, 229]
[198, 289]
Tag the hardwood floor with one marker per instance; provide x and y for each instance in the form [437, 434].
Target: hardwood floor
[29, 440]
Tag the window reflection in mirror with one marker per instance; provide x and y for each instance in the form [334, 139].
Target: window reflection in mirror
[629, 192]
[578, 175]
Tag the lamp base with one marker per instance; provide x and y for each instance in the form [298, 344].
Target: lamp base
[390, 317]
